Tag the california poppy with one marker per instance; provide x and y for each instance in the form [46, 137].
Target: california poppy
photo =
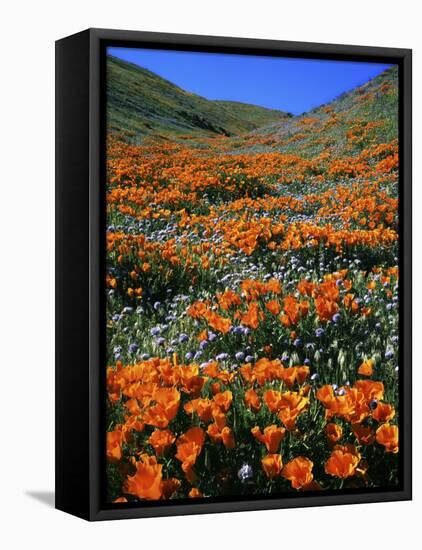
[383, 412]
[366, 368]
[299, 472]
[343, 461]
[388, 436]
[364, 434]
[252, 400]
[189, 447]
[161, 440]
[272, 465]
[273, 307]
[114, 445]
[164, 409]
[333, 432]
[202, 407]
[146, 483]
[271, 437]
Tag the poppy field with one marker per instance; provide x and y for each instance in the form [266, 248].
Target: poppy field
[252, 306]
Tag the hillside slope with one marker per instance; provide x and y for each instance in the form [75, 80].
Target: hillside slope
[363, 116]
[141, 102]
[252, 114]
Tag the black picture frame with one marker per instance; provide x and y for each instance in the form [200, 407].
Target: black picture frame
[80, 288]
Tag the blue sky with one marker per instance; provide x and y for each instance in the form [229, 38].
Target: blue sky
[288, 84]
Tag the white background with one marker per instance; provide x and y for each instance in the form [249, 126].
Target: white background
[27, 272]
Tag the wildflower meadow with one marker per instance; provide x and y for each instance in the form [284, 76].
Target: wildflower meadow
[252, 306]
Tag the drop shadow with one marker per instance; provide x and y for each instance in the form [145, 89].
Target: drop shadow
[45, 497]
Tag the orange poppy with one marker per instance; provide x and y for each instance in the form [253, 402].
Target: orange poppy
[293, 310]
[272, 399]
[202, 407]
[228, 438]
[343, 461]
[251, 317]
[224, 436]
[228, 299]
[166, 405]
[215, 388]
[371, 389]
[146, 483]
[217, 322]
[273, 285]
[219, 417]
[133, 423]
[223, 400]
[271, 438]
[325, 308]
[366, 368]
[364, 434]
[273, 307]
[195, 493]
[190, 380]
[388, 436]
[289, 405]
[291, 375]
[252, 400]
[247, 372]
[266, 370]
[299, 472]
[350, 303]
[383, 412]
[114, 445]
[161, 441]
[305, 287]
[351, 405]
[333, 432]
[272, 465]
[189, 447]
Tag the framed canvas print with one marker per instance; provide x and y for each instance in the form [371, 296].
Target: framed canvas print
[233, 275]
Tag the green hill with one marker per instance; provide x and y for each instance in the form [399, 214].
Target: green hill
[140, 102]
[252, 114]
[363, 116]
